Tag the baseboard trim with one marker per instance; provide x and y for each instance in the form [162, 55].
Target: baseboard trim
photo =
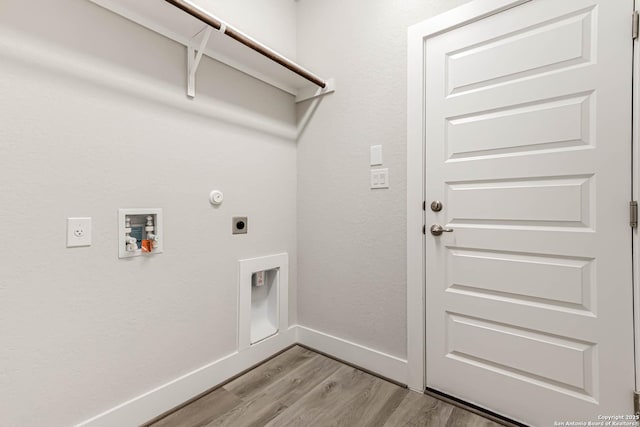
[174, 394]
[379, 363]
[143, 408]
[222, 384]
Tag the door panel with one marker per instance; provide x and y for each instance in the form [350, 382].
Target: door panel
[527, 135]
[523, 52]
[552, 282]
[557, 124]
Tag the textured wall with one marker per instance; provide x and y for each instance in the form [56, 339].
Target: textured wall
[352, 240]
[94, 117]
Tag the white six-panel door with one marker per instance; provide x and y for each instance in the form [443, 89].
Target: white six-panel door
[527, 129]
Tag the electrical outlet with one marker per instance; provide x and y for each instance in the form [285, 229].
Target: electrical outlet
[239, 225]
[78, 232]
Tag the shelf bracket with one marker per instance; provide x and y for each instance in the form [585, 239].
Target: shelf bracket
[316, 92]
[194, 55]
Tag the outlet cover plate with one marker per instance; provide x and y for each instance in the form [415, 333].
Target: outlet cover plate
[78, 232]
[380, 178]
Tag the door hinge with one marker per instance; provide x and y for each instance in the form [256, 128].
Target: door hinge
[424, 229]
[424, 205]
[635, 25]
[633, 214]
[636, 403]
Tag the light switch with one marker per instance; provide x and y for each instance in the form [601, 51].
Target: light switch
[380, 178]
[78, 232]
[376, 155]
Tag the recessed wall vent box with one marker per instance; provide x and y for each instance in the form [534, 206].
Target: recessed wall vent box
[264, 304]
[263, 298]
[139, 232]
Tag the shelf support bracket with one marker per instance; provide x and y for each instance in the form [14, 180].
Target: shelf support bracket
[316, 92]
[194, 55]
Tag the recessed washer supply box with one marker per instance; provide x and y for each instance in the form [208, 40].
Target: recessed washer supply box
[140, 232]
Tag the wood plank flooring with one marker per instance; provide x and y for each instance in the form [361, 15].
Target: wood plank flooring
[301, 388]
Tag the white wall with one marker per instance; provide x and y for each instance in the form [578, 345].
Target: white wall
[272, 22]
[352, 240]
[94, 117]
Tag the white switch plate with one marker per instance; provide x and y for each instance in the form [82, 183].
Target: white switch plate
[78, 232]
[380, 178]
[376, 155]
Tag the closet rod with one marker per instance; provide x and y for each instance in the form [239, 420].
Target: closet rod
[246, 40]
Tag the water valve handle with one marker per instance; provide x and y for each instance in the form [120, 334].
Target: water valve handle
[132, 244]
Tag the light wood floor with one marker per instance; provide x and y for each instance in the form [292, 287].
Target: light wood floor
[302, 388]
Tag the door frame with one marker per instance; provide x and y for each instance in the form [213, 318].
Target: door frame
[635, 194]
[416, 151]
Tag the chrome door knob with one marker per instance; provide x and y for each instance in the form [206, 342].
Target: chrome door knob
[437, 230]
